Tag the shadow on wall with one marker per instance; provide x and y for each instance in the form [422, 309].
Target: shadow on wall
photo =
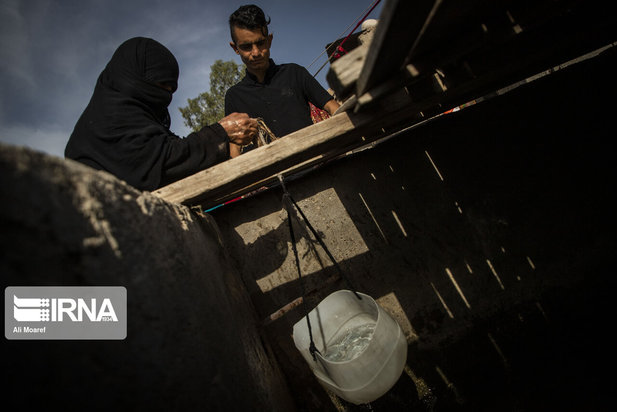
[493, 231]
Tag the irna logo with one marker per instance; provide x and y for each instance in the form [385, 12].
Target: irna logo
[65, 312]
[60, 309]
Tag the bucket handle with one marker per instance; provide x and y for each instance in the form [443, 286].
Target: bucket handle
[289, 203]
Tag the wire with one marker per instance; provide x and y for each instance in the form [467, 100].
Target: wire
[332, 44]
[357, 22]
[340, 46]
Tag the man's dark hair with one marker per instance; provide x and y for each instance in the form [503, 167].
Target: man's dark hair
[248, 17]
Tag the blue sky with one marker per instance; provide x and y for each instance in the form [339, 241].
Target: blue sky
[52, 51]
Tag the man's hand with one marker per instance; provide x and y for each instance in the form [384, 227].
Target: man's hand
[240, 129]
[331, 107]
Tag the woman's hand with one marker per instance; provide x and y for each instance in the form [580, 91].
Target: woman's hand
[240, 129]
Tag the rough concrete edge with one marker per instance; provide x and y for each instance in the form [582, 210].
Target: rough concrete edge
[21, 158]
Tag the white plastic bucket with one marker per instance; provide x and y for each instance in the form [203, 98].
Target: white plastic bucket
[373, 371]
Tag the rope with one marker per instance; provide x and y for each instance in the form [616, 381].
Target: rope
[339, 48]
[312, 348]
[264, 136]
[290, 203]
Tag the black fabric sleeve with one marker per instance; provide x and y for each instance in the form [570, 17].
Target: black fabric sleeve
[197, 151]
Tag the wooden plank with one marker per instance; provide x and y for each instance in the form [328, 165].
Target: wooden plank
[345, 71]
[257, 164]
[400, 24]
[307, 146]
[468, 49]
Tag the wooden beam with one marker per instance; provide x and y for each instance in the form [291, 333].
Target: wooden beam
[345, 71]
[400, 24]
[305, 147]
[257, 164]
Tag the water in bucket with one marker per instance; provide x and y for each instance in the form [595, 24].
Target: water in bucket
[351, 344]
[362, 350]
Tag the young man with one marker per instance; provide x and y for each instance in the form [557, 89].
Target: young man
[279, 94]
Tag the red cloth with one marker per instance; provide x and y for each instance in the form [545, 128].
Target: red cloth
[318, 114]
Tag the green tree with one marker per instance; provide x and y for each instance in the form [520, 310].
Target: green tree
[209, 107]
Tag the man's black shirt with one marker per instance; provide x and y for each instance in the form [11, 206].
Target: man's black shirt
[282, 100]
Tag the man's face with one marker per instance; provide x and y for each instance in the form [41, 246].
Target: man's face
[253, 48]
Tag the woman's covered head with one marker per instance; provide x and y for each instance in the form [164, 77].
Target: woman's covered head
[144, 69]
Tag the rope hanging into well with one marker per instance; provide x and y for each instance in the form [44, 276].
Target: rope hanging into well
[289, 203]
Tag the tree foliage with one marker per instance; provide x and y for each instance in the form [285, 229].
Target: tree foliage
[209, 107]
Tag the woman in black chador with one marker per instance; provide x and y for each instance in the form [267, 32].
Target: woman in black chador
[125, 127]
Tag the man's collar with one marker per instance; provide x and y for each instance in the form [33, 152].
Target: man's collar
[269, 73]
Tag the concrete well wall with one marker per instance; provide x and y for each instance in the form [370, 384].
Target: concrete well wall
[488, 233]
[192, 338]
